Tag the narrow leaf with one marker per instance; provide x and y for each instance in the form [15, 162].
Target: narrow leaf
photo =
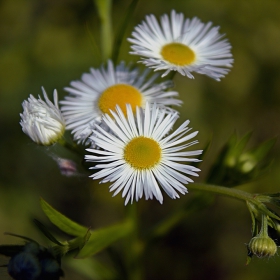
[62, 222]
[44, 230]
[104, 237]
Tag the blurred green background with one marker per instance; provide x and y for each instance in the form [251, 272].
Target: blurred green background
[52, 42]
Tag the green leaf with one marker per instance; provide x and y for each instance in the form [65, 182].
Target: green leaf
[92, 269]
[62, 222]
[104, 237]
[44, 230]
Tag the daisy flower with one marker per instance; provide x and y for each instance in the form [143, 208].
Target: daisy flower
[42, 120]
[101, 90]
[183, 45]
[139, 157]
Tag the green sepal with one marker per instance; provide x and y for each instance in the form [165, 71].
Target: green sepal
[75, 244]
[79, 242]
[104, 237]
[62, 222]
[235, 165]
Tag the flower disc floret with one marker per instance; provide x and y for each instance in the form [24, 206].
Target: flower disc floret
[140, 156]
[178, 54]
[119, 94]
[142, 153]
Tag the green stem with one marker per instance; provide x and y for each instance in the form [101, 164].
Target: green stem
[253, 199]
[134, 246]
[120, 34]
[171, 75]
[263, 231]
[104, 8]
[230, 192]
[71, 147]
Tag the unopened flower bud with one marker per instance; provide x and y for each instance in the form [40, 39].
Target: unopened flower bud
[34, 262]
[42, 120]
[262, 246]
[24, 266]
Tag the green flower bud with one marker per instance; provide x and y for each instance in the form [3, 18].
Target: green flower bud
[262, 246]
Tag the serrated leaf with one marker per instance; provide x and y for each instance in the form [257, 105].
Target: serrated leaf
[104, 237]
[62, 222]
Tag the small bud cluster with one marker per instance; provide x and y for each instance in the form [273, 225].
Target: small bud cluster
[34, 262]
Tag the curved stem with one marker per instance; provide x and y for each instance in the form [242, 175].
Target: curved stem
[253, 199]
[230, 192]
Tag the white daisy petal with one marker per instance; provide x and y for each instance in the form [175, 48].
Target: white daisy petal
[147, 161]
[102, 89]
[181, 45]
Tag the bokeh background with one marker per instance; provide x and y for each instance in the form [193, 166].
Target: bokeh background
[52, 42]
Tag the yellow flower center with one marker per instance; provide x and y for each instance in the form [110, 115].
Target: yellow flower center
[142, 153]
[178, 54]
[119, 94]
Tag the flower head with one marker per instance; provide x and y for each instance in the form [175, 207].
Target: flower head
[138, 155]
[183, 45]
[262, 246]
[102, 89]
[42, 120]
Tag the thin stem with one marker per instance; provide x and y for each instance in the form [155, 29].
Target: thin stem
[70, 146]
[134, 247]
[104, 10]
[230, 192]
[171, 75]
[120, 34]
[263, 231]
[253, 199]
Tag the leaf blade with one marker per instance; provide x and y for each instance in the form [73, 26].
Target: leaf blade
[62, 222]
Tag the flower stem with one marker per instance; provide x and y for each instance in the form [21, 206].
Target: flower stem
[70, 146]
[264, 227]
[134, 246]
[230, 192]
[104, 11]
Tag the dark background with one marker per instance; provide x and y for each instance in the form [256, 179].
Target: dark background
[49, 43]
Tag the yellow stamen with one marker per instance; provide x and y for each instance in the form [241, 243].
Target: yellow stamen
[178, 54]
[142, 153]
[119, 94]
